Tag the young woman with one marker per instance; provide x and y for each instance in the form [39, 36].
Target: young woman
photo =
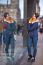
[33, 36]
[9, 27]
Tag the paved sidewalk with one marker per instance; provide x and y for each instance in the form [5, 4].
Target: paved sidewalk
[39, 57]
[18, 53]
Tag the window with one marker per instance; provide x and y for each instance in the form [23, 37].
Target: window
[5, 2]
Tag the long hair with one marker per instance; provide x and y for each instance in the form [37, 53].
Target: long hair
[5, 14]
[37, 15]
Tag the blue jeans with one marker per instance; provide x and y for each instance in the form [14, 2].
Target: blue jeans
[32, 42]
[9, 40]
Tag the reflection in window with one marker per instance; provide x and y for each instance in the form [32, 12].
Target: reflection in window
[5, 2]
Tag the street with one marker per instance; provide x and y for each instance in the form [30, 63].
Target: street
[21, 58]
[18, 52]
[39, 57]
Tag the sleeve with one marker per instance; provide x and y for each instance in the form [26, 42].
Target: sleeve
[36, 25]
[14, 27]
[32, 26]
[4, 25]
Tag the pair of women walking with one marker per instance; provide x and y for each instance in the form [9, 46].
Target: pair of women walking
[8, 31]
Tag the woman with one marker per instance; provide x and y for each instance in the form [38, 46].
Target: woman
[33, 36]
[9, 27]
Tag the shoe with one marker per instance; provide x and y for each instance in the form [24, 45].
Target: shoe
[12, 58]
[32, 59]
[8, 58]
[29, 57]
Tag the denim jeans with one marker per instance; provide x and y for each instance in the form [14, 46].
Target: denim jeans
[32, 42]
[8, 39]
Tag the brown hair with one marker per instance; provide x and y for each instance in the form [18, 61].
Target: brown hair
[5, 14]
[37, 15]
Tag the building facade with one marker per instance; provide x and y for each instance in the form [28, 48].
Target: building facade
[30, 7]
[12, 8]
